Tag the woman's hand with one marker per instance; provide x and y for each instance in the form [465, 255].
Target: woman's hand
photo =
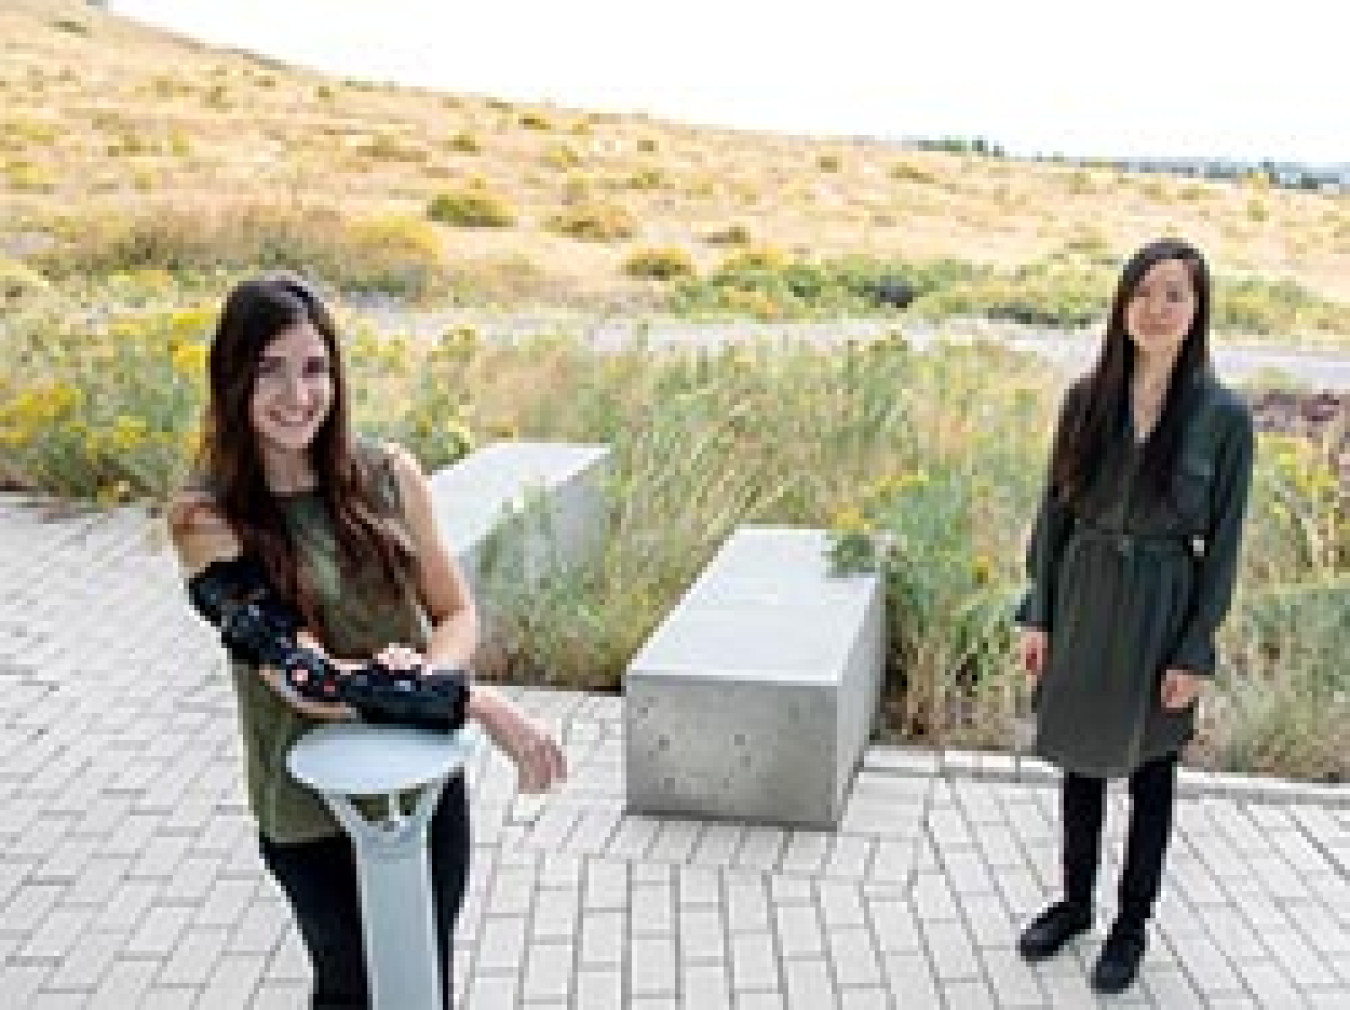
[400, 657]
[1180, 688]
[1035, 650]
[537, 755]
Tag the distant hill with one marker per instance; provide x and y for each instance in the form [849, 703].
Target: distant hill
[103, 118]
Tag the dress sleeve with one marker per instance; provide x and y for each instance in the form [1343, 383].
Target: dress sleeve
[1054, 523]
[1216, 571]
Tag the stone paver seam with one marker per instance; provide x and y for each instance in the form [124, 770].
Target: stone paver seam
[724, 900]
[625, 933]
[822, 926]
[1162, 936]
[1324, 850]
[473, 955]
[962, 916]
[871, 926]
[625, 936]
[926, 951]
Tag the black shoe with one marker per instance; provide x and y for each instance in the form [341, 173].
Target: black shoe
[1052, 929]
[1118, 965]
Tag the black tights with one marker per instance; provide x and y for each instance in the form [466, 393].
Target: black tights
[1083, 807]
[319, 879]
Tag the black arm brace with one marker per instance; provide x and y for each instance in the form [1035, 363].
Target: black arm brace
[259, 629]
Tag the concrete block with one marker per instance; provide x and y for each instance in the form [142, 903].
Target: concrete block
[755, 697]
[545, 499]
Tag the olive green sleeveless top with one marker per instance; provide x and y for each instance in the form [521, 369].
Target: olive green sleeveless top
[360, 618]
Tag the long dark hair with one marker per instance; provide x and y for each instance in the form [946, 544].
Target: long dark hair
[1099, 400]
[230, 462]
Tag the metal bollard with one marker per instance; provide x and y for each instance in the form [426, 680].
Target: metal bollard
[349, 759]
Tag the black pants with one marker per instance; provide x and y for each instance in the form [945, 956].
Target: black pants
[319, 879]
[1083, 806]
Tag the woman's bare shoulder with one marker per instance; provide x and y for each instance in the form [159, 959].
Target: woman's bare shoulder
[199, 532]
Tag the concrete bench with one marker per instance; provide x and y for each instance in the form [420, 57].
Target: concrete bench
[755, 697]
[550, 493]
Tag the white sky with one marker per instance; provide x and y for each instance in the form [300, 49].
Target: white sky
[1186, 77]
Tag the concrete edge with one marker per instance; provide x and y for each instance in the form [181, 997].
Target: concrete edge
[1007, 767]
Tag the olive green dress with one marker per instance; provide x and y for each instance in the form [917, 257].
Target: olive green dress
[1127, 588]
[360, 618]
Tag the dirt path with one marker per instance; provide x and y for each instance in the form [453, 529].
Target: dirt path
[1327, 368]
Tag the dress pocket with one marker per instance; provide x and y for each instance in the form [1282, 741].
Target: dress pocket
[1191, 491]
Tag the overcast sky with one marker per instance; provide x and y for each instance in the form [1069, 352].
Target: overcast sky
[1185, 77]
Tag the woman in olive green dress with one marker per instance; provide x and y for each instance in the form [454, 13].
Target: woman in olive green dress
[1132, 563]
[345, 531]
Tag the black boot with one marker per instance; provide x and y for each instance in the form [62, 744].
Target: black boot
[1118, 965]
[1052, 929]
[1083, 808]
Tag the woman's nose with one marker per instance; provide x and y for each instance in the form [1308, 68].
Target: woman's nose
[297, 390]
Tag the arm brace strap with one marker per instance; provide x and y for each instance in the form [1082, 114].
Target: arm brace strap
[259, 629]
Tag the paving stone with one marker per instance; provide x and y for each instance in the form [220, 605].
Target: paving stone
[548, 971]
[702, 936]
[854, 958]
[1014, 983]
[599, 989]
[602, 938]
[747, 904]
[653, 909]
[754, 961]
[556, 911]
[705, 985]
[808, 983]
[697, 885]
[501, 944]
[841, 904]
[195, 957]
[129, 871]
[124, 985]
[20, 982]
[968, 995]
[951, 949]
[870, 998]
[86, 961]
[654, 967]
[799, 931]
[912, 975]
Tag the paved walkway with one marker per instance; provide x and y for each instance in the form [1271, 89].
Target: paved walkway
[129, 875]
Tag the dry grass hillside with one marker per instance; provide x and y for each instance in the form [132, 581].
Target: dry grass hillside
[103, 120]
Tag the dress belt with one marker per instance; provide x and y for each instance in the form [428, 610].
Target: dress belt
[1126, 542]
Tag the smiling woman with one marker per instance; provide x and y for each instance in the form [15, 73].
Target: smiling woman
[291, 397]
[1152, 457]
[318, 556]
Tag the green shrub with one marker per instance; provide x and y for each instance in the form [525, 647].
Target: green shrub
[1258, 306]
[472, 208]
[19, 281]
[385, 147]
[733, 234]
[535, 121]
[595, 222]
[561, 157]
[903, 171]
[465, 143]
[659, 264]
[647, 178]
[395, 255]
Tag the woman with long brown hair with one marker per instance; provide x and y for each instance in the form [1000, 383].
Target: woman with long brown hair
[336, 539]
[1132, 565]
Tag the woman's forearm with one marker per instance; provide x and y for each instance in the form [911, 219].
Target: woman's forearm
[453, 640]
